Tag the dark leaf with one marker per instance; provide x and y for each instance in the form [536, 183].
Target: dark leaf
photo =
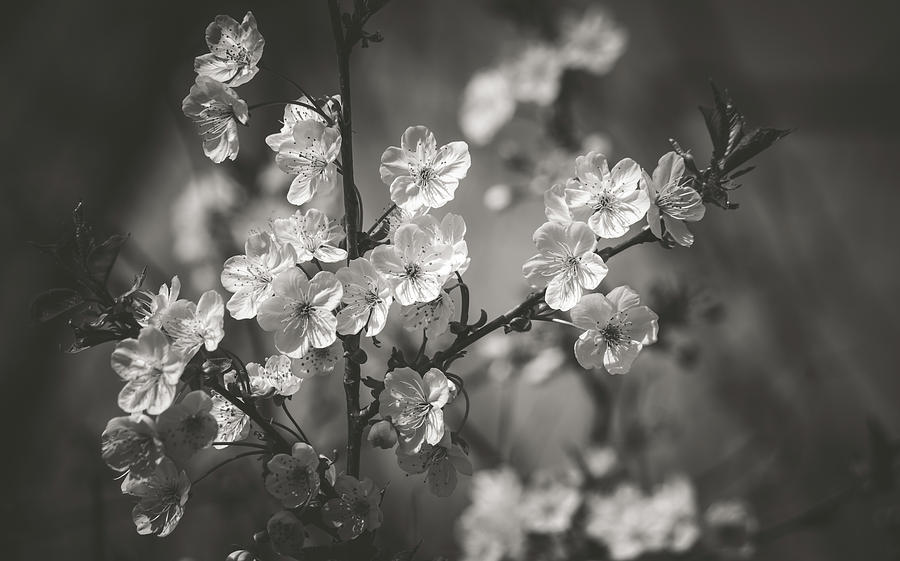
[750, 146]
[103, 257]
[54, 303]
[741, 172]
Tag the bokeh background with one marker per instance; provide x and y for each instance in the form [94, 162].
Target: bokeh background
[772, 408]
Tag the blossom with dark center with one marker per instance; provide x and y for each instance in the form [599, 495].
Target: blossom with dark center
[162, 498]
[355, 509]
[293, 479]
[234, 50]
[217, 110]
[414, 404]
[132, 446]
[151, 368]
[367, 299]
[192, 326]
[310, 154]
[672, 201]
[414, 265]
[312, 235]
[250, 276]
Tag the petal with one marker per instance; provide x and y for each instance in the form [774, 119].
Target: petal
[623, 298]
[453, 160]
[325, 291]
[679, 231]
[618, 358]
[669, 169]
[589, 350]
[563, 292]
[322, 328]
[592, 312]
[590, 271]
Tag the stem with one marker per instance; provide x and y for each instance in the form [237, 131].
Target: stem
[381, 219]
[254, 415]
[294, 421]
[225, 463]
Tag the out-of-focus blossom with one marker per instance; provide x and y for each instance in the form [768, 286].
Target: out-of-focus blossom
[414, 265]
[421, 174]
[451, 230]
[728, 529]
[630, 522]
[434, 317]
[367, 299]
[250, 276]
[534, 356]
[609, 201]
[310, 155]
[188, 426]
[154, 307]
[592, 41]
[318, 362]
[301, 312]
[312, 235]
[500, 197]
[151, 368]
[234, 50]
[355, 510]
[383, 435]
[490, 529]
[293, 479]
[131, 445]
[566, 264]
[415, 404]
[616, 329]
[217, 110]
[296, 112]
[439, 462]
[548, 507]
[234, 424]
[162, 498]
[672, 200]
[600, 461]
[535, 74]
[241, 555]
[286, 534]
[194, 325]
[487, 105]
[275, 376]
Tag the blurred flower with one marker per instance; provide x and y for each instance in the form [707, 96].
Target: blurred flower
[312, 235]
[234, 424]
[487, 105]
[162, 498]
[250, 276]
[414, 265]
[592, 41]
[293, 479]
[241, 555]
[672, 200]
[609, 201]
[439, 462]
[154, 307]
[188, 426]
[600, 461]
[490, 529]
[535, 74]
[729, 527]
[616, 329]
[275, 376]
[566, 264]
[234, 50]
[286, 533]
[131, 445]
[383, 435]
[318, 362]
[535, 356]
[355, 510]
[630, 523]
[414, 405]
[216, 109]
[151, 368]
[451, 230]
[294, 113]
[434, 317]
[301, 312]
[500, 197]
[548, 507]
[194, 325]
[421, 174]
[310, 155]
[367, 299]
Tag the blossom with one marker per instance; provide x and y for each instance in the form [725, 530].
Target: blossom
[555, 207]
[434, 316]
[535, 74]
[286, 534]
[293, 479]
[162, 498]
[414, 405]
[216, 109]
[383, 435]
[421, 174]
[301, 312]
[592, 41]
[548, 508]
[234, 50]
[487, 105]
[672, 200]
[275, 376]
[188, 427]
[616, 329]
[566, 263]
[234, 424]
[729, 528]
[451, 230]
[151, 368]
[250, 276]
[194, 325]
[490, 528]
[609, 201]
[414, 265]
[318, 362]
[296, 112]
[310, 154]
[355, 510]
[153, 308]
[131, 445]
[312, 235]
[367, 299]
[439, 463]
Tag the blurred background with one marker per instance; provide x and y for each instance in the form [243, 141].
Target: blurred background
[784, 323]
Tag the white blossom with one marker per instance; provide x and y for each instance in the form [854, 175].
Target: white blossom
[151, 368]
[609, 201]
[234, 50]
[217, 110]
[414, 265]
[162, 498]
[275, 376]
[487, 105]
[434, 316]
[414, 404]
[310, 155]
[367, 299]
[672, 201]
[312, 235]
[194, 325]
[250, 276]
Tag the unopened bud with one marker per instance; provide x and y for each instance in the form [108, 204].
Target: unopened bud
[383, 435]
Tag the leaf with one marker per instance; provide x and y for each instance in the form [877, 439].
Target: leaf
[54, 303]
[102, 257]
[750, 146]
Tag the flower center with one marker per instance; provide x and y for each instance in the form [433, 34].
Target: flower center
[603, 201]
[615, 332]
[423, 175]
[372, 299]
[413, 270]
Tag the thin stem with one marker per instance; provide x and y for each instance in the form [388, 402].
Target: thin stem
[557, 320]
[287, 412]
[241, 444]
[225, 463]
[288, 429]
[381, 219]
[271, 103]
[300, 89]
[254, 415]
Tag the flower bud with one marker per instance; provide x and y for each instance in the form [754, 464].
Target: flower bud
[240, 555]
[382, 435]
